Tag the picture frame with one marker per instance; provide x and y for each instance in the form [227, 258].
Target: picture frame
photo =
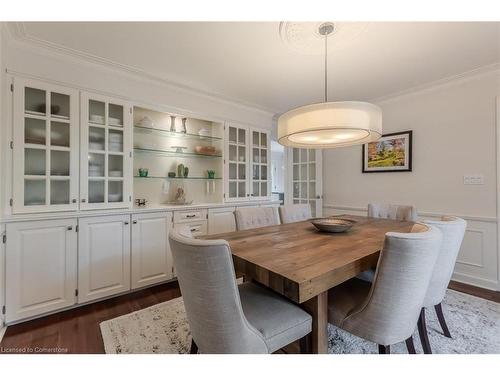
[391, 153]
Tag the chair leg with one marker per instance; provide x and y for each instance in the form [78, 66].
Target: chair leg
[442, 321]
[410, 346]
[422, 332]
[304, 344]
[194, 348]
[384, 349]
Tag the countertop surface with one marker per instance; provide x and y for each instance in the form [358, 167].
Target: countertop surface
[127, 211]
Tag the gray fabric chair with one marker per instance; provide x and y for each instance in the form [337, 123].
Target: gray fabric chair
[386, 311]
[392, 211]
[388, 211]
[225, 317]
[293, 213]
[453, 230]
[256, 217]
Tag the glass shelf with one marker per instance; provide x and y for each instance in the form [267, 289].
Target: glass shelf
[176, 154]
[180, 178]
[167, 133]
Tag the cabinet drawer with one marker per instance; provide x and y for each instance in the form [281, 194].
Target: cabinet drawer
[189, 215]
[197, 228]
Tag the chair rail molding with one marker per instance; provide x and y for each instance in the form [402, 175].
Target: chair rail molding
[17, 33]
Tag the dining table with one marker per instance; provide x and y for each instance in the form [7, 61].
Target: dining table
[301, 263]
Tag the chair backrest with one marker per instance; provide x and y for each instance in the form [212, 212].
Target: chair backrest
[256, 217]
[390, 312]
[295, 212]
[392, 211]
[208, 285]
[453, 230]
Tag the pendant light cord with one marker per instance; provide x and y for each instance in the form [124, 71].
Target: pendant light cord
[326, 68]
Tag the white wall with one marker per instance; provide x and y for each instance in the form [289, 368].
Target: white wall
[453, 135]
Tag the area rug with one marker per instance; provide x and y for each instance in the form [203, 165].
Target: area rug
[474, 324]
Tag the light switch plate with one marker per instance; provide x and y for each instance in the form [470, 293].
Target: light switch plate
[474, 179]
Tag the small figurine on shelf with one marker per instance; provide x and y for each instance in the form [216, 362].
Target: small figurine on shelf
[186, 172]
[211, 174]
[172, 123]
[180, 170]
[184, 130]
[171, 174]
[180, 196]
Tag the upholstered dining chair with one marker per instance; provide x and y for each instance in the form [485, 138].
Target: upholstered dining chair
[387, 211]
[387, 310]
[225, 317]
[453, 230]
[293, 213]
[256, 217]
[392, 211]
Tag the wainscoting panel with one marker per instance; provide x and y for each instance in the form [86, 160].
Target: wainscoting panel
[477, 262]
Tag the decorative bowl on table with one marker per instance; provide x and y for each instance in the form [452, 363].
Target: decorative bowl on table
[333, 224]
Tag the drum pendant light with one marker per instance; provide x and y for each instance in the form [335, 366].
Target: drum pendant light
[330, 124]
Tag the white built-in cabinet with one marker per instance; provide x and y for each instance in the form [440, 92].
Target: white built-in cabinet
[41, 267]
[221, 220]
[103, 256]
[45, 147]
[151, 256]
[247, 163]
[106, 152]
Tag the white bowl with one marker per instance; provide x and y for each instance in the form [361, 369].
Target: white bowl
[114, 197]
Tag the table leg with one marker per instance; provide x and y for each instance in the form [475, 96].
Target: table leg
[318, 308]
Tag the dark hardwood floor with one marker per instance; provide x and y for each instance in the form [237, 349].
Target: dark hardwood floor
[77, 330]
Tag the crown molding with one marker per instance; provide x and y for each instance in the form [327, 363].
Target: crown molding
[18, 33]
[440, 83]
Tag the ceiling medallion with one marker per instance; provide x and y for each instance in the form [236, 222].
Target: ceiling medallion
[304, 37]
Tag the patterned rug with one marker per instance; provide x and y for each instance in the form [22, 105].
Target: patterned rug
[474, 324]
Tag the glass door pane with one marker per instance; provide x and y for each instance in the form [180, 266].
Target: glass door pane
[59, 163]
[115, 117]
[115, 191]
[34, 131]
[59, 105]
[35, 101]
[304, 185]
[34, 192]
[97, 112]
[96, 191]
[34, 162]
[59, 134]
[59, 192]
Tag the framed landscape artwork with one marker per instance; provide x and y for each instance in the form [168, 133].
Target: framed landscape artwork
[391, 153]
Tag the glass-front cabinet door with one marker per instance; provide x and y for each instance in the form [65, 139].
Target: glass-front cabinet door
[45, 147]
[260, 175]
[305, 179]
[106, 152]
[236, 162]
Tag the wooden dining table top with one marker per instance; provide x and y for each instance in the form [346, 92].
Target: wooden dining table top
[299, 262]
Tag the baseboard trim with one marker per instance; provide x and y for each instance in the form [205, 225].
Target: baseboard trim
[2, 332]
[486, 219]
[475, 281]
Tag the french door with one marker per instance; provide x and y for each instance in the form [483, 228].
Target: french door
[304, 179]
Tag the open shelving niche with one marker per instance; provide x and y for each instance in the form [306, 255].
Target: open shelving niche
[153, 150]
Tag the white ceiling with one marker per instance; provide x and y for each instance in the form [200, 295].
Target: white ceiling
[249, 62]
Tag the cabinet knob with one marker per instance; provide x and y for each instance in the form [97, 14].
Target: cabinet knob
[73, 200]
[189, 216]
[126, 223]
[84, 200]
[134, 222]
[70, 227]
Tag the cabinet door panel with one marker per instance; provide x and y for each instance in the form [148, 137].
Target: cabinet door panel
[104, 256]
[221, 220]
[151, 257]
[45, 147]
[41, 267]
[106, 152]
